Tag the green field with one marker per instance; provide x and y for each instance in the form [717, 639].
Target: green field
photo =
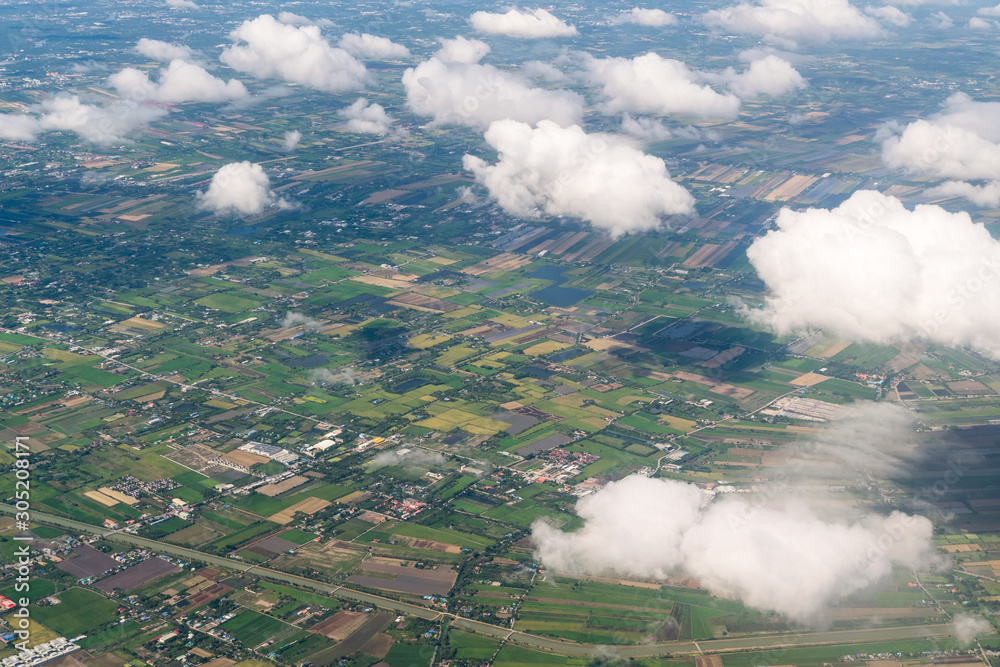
[252, 628]
[79, 612]
[228, 302]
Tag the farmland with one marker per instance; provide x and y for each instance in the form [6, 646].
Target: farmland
[384, 415]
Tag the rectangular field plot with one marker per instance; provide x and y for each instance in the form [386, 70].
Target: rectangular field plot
[78, 612]
[405, 579]
[90, 562]
[137, 575]
[251, 628]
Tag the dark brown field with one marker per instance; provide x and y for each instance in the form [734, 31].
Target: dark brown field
[137, 575]
[89, 563]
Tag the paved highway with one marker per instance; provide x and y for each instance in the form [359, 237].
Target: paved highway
[758, 642]
[230, 564]
[709, 646]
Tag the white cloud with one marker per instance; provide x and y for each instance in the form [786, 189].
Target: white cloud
[182, 81]
[88, 67]
[650, 17]
[165, 51]
[181, 4]
[793, 21]
[475, 95]
[989, 11]
[960, 142]
[869, 439]
[289, 18]
[652, 129]
[890, 14]
[241, 188]
[537, 69]
[366, 118]
[986, 195]
[778, 556]
[770, 75]
[524, 24]
[370, 46]
[291, 140]
[871, 270]
[345, 375]
[410, 456]
[293, 319]
[296, 19]
[19, 127]
[649, 129]
[97, 124]
[969, 626]
[653, 84]
[267, 48]
[461, 50]
[976, 23]
[941, 21]
[756, 53]
[556, 171]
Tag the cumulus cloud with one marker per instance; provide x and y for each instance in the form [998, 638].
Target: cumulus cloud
[872, 270]
[524, 24]
[475, 95]
[960, 142]
[770, 75]
[794, 21]
[977, 23]
[868, 439]
[462, 50]
[370, 46]
[650, 17]
[165, 51]
[293, 319]
[989, 11]
[756, 53]
[986, 195]
[970, 626]
[365, 118]
[267, 48]
[19, 127]
[408, 456]
[653, 129]
[97, 124]
[87, 67]
[941, 21]
[780, 556]
[291, 140]
[182, 81]
[345, 375]
[890, 14]
[290, 18]
[652, 84]
[649, 129]
[94, 178]
[181, 4]
[240, 188]
[559, 171]
[537, 69]
[296, 19]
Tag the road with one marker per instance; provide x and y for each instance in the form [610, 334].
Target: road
[758, 642]
[709, 646]
[230, 564]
